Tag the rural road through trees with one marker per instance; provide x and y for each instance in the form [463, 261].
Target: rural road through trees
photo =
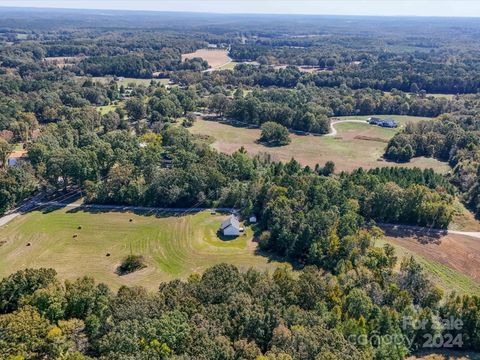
[333, 131]
[33, 204]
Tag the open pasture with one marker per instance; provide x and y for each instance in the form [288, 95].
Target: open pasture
[173, 246]
[356, 145]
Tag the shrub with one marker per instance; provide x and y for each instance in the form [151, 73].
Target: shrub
[130, 264]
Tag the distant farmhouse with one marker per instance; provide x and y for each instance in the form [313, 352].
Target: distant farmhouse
[388, 123]
[231, 226]
[15, 157]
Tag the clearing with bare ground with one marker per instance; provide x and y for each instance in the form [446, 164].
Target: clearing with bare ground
[216, 58]
[453, 260]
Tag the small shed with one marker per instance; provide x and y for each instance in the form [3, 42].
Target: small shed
[252, 219]
[231, 226]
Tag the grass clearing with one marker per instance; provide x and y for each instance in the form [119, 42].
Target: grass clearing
[356, 145]
[18, 147]
[173, 246]
[229, 66]
[106, 108]
[402, 119]
[463, 219]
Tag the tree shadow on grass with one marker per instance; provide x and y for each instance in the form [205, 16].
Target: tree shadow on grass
[157, 213]
[60, 202]
[273, 257]
[145, 212]
[223, 237]
[421, 235]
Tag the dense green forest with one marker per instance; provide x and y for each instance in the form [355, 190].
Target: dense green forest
[124, 142]
[453, 138]
[226, 314]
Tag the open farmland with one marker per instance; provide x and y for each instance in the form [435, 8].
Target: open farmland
[173, 246]
[451, 260]
[356, 145]
[216, 58]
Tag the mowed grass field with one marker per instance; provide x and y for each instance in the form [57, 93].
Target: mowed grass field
[356, 145]
[107, 108]
[173, 246]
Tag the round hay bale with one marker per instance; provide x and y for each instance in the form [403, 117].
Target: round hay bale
[75, 235]
[29, 244]
[79, 227]
[108, 254]
[130, 220]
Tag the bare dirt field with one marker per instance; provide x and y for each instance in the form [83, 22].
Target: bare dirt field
[440, 252]
[215, 57]
[356, 145]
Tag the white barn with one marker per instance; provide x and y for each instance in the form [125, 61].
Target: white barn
[231, 226]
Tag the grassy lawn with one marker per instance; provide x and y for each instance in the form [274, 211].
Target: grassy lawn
[230, 66]
[18, 147]
[444, 276]
[173, 246]
[402, 119]
[145, 82]
[356, 145]
[106, 109]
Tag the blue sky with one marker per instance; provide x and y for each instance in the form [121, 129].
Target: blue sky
[327, 7]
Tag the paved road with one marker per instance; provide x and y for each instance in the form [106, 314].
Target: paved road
[23, 208]
[333, 131]
[474, 234]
